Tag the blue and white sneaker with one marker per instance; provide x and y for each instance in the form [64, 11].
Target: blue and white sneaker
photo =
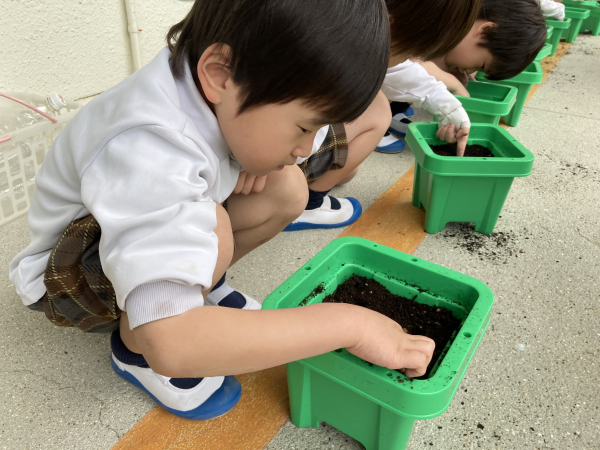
[223, 295]
[333, 213]
[409, 112]
[390, 144]
[190, 398]
[400, 123]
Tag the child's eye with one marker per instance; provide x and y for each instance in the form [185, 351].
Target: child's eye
[304, 131]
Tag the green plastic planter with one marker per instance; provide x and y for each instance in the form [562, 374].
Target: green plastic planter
[374, 405]
[453, 189]
[545, 51]
[559, 27]
[488, 101]
[577, 16]
[531, 75]
[549, 30]
[592, 23]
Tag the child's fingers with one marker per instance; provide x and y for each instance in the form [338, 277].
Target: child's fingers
[248, 184]
[446, 134]
[461, 141]
[240, 182]
[415, 362]
[259, 184]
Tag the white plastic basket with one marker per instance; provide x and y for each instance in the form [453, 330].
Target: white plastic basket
[21, 155]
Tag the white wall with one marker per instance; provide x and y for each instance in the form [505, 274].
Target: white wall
[78, 48]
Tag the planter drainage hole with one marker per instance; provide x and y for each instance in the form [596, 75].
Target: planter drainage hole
[375, 245]
[390, 374]
[467, 334]
[414, 259]
[339, 350]
[307, 268]
[484, 159]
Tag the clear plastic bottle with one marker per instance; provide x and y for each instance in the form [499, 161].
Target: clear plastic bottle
[14, 116]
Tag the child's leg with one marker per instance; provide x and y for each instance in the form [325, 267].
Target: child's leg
[251, 220]
[256, 218]
[363, 135]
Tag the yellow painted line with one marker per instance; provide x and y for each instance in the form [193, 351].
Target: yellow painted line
[391, 220]
[252, 424]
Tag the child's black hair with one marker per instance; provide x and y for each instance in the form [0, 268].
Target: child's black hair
[332, 54]
[517, 38]
[429, 29]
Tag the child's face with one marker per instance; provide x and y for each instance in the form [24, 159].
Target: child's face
[263, 138]
[268, 137]
[469, 56]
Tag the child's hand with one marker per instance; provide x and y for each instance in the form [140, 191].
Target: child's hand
[448, 134]
[249, 184]
[384, 343]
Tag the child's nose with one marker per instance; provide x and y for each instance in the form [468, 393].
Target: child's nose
[303, 151]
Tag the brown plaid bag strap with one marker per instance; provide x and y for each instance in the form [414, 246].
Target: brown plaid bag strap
[78, 292]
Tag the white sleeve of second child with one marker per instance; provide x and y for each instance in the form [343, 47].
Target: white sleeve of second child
[147, 189]
[552, 9]
[410, 82]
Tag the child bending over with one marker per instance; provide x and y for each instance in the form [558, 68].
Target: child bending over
[162, 182]
[426, 29]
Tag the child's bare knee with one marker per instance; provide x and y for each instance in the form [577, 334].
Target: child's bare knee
[292, 190]
[382, 113]
[226, 246]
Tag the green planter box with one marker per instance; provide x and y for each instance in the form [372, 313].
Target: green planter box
[592, 23]
[453, 189]
[545, 51]
[549, 30]
[365, 401]
[488, 101]
[577, 16]
[531, 75]
[559, 28]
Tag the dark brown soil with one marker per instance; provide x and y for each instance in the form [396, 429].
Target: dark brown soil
[474, 150]
[497, 247]
[415, 318]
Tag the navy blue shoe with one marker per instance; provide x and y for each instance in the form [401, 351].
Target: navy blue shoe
[390, 144]
[190, 398]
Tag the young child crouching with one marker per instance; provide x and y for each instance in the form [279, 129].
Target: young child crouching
[425, 29]
[162, 182]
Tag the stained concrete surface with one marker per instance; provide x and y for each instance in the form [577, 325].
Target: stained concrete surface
[533, 383]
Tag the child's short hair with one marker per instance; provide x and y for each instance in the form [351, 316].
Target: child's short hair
[517, 38]
[429, 29]
[332, 54]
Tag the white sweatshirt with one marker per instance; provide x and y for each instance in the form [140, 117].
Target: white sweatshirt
[552, 9]
[147, 158]
[410, 82]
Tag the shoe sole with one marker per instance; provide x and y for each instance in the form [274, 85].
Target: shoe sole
[309, 226]
[230, 390]
[396, 132]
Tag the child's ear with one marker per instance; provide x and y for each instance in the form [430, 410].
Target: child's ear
[483, 28]
[213, 71]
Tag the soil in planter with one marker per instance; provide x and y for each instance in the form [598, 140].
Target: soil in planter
[415, 318]
[474, 150]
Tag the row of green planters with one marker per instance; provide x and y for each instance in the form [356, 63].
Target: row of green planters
[372, 404]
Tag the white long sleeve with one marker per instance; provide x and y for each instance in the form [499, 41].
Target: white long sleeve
[147, 158]
[552, 9]
[410, 82]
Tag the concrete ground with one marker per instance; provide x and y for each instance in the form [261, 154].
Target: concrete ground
[534, 381]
